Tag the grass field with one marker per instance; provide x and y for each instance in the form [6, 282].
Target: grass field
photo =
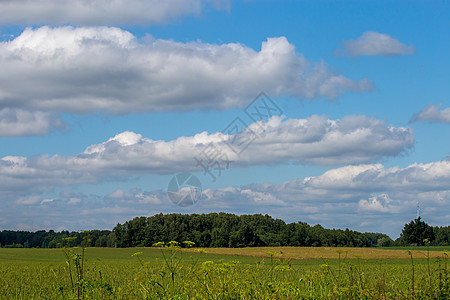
[330, 252]
[222, 273]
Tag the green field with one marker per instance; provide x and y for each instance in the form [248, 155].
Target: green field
[261, 273]
[423, 248]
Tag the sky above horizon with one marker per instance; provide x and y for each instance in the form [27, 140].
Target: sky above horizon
[326, 112]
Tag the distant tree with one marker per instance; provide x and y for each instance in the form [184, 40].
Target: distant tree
[101, 241]
[442, 235]
[385, 242]
[222, 230]
[416, 231]
[111, 240]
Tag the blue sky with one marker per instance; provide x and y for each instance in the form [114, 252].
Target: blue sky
[100, 106]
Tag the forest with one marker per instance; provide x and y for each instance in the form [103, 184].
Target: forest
[224, 230]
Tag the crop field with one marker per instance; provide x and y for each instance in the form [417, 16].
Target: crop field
[329, 252]
[221, 273]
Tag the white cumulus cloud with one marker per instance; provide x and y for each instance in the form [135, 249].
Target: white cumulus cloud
[314, 140]
[106, 69]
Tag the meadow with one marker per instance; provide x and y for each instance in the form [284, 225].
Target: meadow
[170, 272]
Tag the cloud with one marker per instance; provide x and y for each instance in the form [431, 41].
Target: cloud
[416, 177]
[118, 194]
[74, 201]
[314, 140]
[108, 70]
[99, 12]
[28, 200]
[147, 198]
[261, 197]
[432, 114]
[368, 197]
[31, 182]
[47, 201]
[76, 211]
[320, 141]
[134, 195]
[364, 197]
[377, 203]
[373, 43]
[18, 122]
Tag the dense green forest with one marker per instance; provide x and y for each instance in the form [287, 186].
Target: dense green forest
[224, 230]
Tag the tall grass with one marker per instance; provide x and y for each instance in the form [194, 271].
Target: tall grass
[175, 274]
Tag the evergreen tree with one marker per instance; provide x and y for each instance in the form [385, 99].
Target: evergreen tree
[416, 231]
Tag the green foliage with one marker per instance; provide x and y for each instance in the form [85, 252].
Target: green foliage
[223, 230]
[229, 230]
[52, 239]
[417, 231]
[80, 286]
[385, 242]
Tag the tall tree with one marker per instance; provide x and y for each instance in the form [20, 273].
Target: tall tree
[416, 231]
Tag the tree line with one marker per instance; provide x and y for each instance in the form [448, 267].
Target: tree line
[52, 239]
[225, 230]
